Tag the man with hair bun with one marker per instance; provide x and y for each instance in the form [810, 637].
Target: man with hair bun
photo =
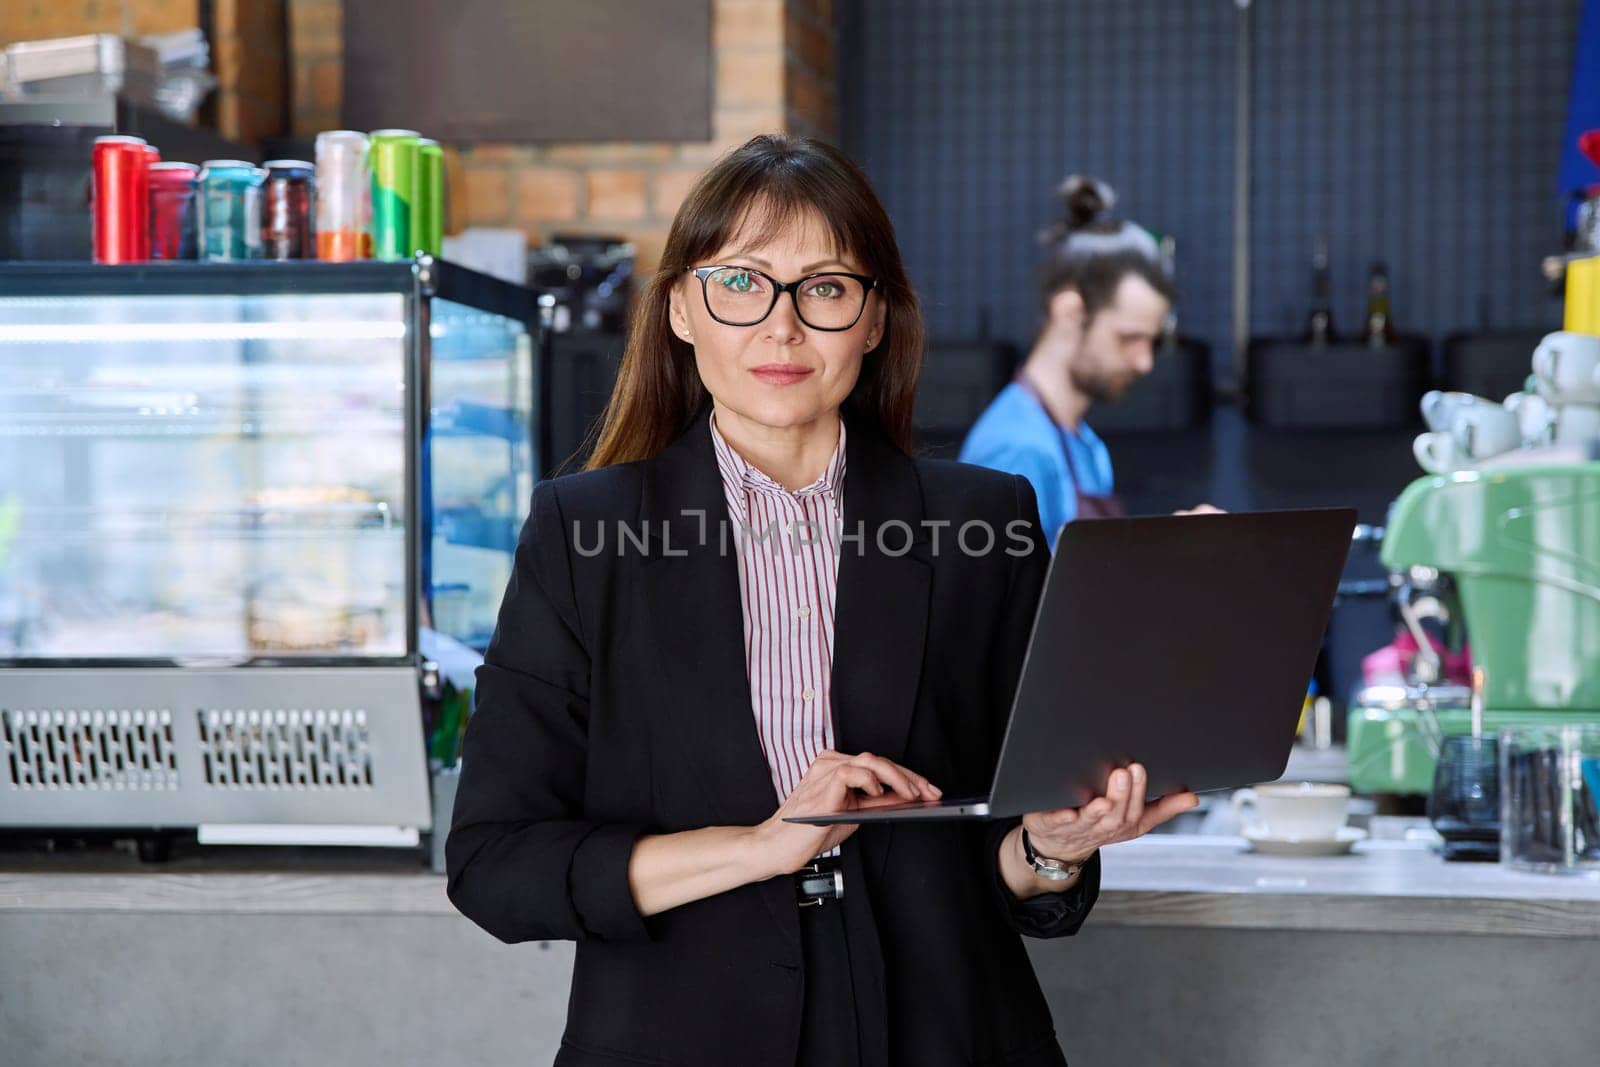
[1105, 294]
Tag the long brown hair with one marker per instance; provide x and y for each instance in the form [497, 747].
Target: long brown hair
[658, 389]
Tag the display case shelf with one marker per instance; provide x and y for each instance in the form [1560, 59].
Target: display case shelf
[192, 424]
[467, 419]
[251, 520]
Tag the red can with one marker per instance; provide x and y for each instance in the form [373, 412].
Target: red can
[121, 198]
[151, 158]
[172, 210]
[287, 210]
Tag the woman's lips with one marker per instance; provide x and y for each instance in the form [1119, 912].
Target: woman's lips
[780, 373]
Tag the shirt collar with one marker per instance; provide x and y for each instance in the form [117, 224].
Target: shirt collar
[740, 477]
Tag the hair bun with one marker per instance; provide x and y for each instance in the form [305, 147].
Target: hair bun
[1086, 200]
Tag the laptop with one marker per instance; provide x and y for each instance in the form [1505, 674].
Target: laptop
[1184, 642]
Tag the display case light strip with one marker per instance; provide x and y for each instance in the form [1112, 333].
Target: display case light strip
[123, 333]
[302, 834]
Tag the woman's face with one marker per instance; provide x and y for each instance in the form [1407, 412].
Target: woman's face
[779, 373]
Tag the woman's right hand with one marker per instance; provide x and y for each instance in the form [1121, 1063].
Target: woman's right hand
[834, 782]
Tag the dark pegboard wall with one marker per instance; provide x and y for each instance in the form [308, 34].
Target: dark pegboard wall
[967, 115]
[1424, 133]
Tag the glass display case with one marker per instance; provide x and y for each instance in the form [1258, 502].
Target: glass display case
[244, 509]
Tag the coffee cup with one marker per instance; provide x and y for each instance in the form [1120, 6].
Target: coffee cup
[1568, 367]
[1577, 424]
[1437, 452]
[1303, 810]
[1440, 409]
[1535, 417]
[1486, 429]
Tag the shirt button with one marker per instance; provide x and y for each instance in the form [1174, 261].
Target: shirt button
[804, 611]
[808, 693]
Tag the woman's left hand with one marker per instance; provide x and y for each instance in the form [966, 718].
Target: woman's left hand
[1073, 834]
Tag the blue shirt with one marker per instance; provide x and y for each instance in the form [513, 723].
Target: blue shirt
[1016, 434]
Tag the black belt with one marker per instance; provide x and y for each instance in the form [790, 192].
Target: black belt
[819, 881]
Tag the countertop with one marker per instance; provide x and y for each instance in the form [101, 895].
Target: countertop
[1161, 880]
[1383, 886]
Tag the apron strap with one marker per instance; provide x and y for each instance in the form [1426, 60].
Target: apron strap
[1089, 505]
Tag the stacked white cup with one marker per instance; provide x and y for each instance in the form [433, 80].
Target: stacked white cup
[1563, 410]
[1463, 429]
[1566, 367]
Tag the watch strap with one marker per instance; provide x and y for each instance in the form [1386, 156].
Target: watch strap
[1046, 867]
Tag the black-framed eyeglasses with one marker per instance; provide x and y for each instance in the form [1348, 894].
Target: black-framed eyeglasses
[743, 296]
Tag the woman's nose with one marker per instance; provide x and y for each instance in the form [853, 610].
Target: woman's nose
[783, 324]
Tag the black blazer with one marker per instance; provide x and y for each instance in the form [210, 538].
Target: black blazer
[613, 701]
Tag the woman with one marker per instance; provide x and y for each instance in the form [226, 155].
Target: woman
[752, 605]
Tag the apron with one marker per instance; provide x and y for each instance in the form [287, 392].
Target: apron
[1090, 505]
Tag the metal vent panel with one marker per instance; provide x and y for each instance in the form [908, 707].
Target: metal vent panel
[88, 748]
[286, 748]
[295, 746]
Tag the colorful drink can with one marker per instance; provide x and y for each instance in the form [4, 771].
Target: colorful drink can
[287, 200]
[151, 158]
[394, 177]
[121, 173]
[230, 209]
[172, 210]
[427, 210]
[344, 196]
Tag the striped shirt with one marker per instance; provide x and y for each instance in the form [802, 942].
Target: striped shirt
[788, 548]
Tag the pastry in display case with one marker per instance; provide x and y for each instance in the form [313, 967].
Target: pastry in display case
[264, 494]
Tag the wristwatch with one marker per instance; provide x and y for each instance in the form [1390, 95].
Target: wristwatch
[1045, 867]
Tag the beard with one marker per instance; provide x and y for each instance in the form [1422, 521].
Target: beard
[1102, 387]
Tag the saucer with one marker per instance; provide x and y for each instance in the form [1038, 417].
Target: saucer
[1340, 843]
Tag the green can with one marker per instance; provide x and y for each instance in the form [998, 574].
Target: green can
[427, 209]
[394, 177]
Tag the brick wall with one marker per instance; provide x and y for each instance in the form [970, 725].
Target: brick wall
[774, 71]
[810, 76]
[33, 20]
[316, 65]
[248, 54]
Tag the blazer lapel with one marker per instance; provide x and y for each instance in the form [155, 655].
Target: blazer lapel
[882, 608]
[691, 590]
[692, 594]
[879, 630]
[880, 622]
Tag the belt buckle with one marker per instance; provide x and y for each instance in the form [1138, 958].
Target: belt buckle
[825, 885]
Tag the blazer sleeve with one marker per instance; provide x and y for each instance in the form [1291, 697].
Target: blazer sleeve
[1048, 914]
[521, 859]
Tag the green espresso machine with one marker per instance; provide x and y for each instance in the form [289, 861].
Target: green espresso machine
[1521, 549]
